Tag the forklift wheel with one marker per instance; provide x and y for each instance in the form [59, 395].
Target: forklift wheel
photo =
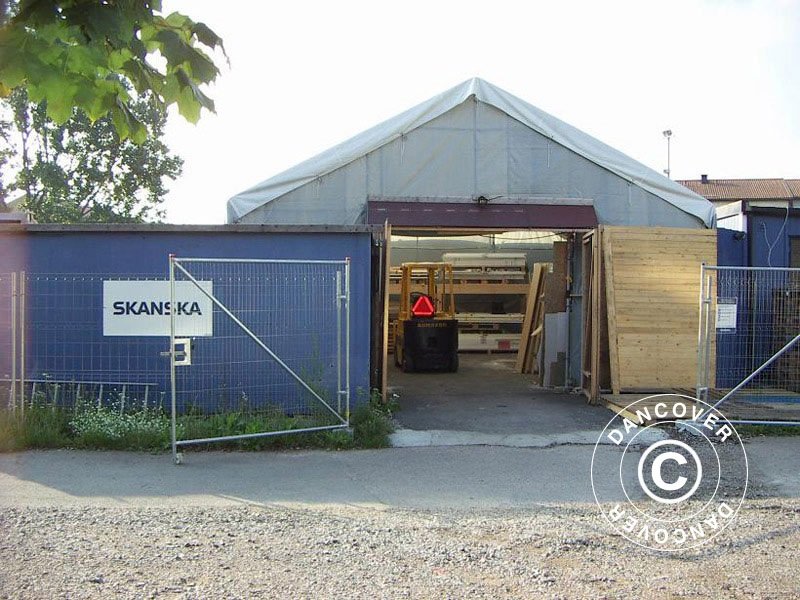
[454, 364]
[408, 364]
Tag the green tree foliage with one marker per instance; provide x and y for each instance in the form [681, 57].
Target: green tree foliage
[100, 55]
[81, 171]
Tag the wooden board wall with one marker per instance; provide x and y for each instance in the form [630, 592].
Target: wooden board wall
[652, 297]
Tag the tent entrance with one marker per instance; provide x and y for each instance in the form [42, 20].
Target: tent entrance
[494, 272]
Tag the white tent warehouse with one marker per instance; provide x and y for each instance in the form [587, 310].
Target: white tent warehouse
[474, 140]
[478, 161]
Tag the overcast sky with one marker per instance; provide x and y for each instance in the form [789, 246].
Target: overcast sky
[723, 75]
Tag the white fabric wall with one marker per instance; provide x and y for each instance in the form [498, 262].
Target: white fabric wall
[474, 149]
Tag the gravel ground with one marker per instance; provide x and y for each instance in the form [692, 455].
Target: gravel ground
[353, 552]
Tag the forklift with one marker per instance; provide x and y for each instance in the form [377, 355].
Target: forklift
[426, 329]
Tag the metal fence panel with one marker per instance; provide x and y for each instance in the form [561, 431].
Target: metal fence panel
[66, 357]
[276, 356]
[749, 356]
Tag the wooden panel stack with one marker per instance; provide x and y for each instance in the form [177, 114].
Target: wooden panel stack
[652, 297]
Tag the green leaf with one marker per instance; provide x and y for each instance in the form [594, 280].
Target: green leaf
[61, 50]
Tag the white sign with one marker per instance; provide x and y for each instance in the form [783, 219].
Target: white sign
[142, 308]
[726, 315]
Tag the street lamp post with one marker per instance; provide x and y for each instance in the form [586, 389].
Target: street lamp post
[667, 134]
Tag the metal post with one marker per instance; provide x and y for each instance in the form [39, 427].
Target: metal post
[700, 329]
[347, 337]
[22, 322]
[13, 399]
[710, 330]
[703, 335]
[339, 342]
[172, 312]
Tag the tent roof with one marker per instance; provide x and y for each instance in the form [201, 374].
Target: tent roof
[538, 120]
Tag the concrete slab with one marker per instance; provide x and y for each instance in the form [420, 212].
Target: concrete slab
[487, 396]
[411, 438]
[775, 464]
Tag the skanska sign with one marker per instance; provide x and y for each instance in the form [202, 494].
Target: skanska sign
[143, 308]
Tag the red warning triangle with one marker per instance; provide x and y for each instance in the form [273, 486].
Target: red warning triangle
[423, 307]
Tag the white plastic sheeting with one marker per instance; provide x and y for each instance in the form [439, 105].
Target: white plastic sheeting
[474, 139]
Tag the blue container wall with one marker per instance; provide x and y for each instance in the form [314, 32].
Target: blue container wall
[731, 348]
[731, 248]
[769, 238]
[767, 245]
[96, 255]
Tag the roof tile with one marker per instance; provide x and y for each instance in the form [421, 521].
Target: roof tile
[745, 189]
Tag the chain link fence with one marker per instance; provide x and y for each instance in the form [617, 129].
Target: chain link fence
[748, 351]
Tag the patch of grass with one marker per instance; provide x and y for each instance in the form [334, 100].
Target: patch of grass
[39, 427]
[749, 431]
[109, 428]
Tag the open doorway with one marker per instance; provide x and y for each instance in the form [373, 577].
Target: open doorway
[492, 273]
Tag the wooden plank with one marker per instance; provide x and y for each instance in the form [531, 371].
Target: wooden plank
[613, 347]
[537, 334]
[471, 288]
[527, 322]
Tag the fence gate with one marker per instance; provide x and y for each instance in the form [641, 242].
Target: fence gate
[749, 350]
[258, 348]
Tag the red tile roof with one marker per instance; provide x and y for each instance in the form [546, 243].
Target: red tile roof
[745, 189]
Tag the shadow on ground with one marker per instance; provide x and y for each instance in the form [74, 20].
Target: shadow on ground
[487, 396]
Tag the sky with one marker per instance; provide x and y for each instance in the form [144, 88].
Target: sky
[723, 75]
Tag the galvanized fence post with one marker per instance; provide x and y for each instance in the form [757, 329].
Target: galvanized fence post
[171, 352]
[22, 328]
[347, 337]
[13, 399]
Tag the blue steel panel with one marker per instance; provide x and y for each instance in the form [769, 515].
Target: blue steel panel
[731, 248]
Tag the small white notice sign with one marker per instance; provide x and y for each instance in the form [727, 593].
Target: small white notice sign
[726, 315]
[143, 308]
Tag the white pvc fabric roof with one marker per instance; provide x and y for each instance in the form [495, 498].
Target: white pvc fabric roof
[474, 139]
